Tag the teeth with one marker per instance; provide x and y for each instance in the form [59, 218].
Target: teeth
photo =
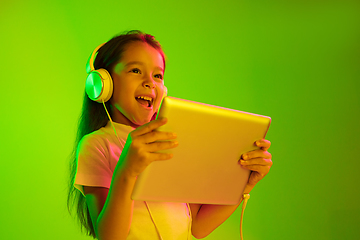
[145, 98]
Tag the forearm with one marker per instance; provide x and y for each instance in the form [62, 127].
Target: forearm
[209, 217]
[115, 218]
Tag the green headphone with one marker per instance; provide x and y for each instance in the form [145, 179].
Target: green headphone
[99, 84]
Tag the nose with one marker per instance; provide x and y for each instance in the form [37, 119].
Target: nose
[149, 82]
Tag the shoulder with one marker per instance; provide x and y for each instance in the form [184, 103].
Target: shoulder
[96, 141]
[94, 138]
[104, 143]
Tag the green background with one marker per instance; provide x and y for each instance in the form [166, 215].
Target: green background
[296, 61]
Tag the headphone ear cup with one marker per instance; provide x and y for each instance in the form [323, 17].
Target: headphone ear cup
[99, 85]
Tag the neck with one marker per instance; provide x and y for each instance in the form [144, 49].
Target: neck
[118, 117]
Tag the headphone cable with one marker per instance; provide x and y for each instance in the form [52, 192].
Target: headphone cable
[246, 197]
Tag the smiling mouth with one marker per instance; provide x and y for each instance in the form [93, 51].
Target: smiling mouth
[145, 101]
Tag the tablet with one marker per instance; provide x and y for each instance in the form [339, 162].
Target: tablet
[204, 168]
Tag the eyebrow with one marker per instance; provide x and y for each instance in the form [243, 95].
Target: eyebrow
[141, 63]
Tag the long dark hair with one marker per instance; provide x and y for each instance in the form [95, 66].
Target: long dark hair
[93, 116]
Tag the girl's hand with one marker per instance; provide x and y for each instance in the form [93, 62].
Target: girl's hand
[258, 161]
[142, 147]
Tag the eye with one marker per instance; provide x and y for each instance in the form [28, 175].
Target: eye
[135, 70]
[160, 76]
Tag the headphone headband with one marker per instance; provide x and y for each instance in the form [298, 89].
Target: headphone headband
[90, 63]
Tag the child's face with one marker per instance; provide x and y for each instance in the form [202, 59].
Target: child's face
[138, 84]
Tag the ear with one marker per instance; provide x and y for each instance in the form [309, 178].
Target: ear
[165, 92]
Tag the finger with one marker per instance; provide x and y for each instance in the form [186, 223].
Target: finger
[257, 161]
[148, 127]
[263, 144]
[156, 136]
[256, 154]
[261, 169]
[158, 146]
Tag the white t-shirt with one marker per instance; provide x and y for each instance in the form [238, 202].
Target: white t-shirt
[97, 156]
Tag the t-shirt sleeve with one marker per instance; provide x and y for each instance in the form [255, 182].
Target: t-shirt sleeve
[93, 168]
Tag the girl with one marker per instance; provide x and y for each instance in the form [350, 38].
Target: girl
[108, 157]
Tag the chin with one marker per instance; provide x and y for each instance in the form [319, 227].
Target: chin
[142, 121]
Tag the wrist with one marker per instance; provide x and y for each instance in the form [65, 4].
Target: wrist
[248, 188]
[128, 175]
[123, 175]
